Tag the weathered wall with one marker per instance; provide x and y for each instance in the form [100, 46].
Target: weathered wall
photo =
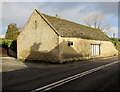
[108, 49]
[82, 48]
[37, 41]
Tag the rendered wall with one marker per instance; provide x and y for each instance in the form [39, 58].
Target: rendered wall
[37, 41]
[82, 48]
[108, 49]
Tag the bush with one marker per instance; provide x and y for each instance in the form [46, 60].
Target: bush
[6, 42]
[11, 44]
[116, 43]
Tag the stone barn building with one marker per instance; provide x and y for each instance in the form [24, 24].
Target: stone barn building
[53, 39]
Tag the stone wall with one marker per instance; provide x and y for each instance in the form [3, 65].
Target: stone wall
[81, 48]
[37, 41]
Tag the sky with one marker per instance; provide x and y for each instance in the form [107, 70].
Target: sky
[19, 12]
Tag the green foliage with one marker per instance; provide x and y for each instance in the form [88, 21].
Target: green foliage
[114, 40]
[11, 44]
[6, 42]
[57, 16]
[12, 32]
[116, 43]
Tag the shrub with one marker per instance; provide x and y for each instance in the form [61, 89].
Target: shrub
[12, 44]
[116, 43]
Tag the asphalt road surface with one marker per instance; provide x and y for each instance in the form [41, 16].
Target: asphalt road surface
[93, 75]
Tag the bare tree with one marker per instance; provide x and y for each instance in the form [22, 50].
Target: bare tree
[97, 20]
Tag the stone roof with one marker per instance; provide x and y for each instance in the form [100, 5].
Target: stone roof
[67, 28]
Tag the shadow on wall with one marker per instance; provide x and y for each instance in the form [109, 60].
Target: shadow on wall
[36, 54]
[68, 51]
[55, 55]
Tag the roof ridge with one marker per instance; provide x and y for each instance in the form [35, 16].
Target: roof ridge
[66, 28]
[70, 21]
[46, 21]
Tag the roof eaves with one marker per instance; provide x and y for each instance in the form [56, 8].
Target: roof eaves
[46, 21]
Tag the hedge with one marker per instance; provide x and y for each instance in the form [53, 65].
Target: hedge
[12, 44]
[116, 43]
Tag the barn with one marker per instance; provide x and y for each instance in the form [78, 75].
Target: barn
[52, 39]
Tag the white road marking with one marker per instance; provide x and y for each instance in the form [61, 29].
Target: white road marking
[63, 81]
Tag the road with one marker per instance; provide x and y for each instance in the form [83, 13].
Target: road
[64, 76]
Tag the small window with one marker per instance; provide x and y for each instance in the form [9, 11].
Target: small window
[70, 43]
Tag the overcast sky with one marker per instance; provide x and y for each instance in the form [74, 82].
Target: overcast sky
[19, 12]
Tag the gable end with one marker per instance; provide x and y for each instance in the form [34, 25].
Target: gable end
[47, 21]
